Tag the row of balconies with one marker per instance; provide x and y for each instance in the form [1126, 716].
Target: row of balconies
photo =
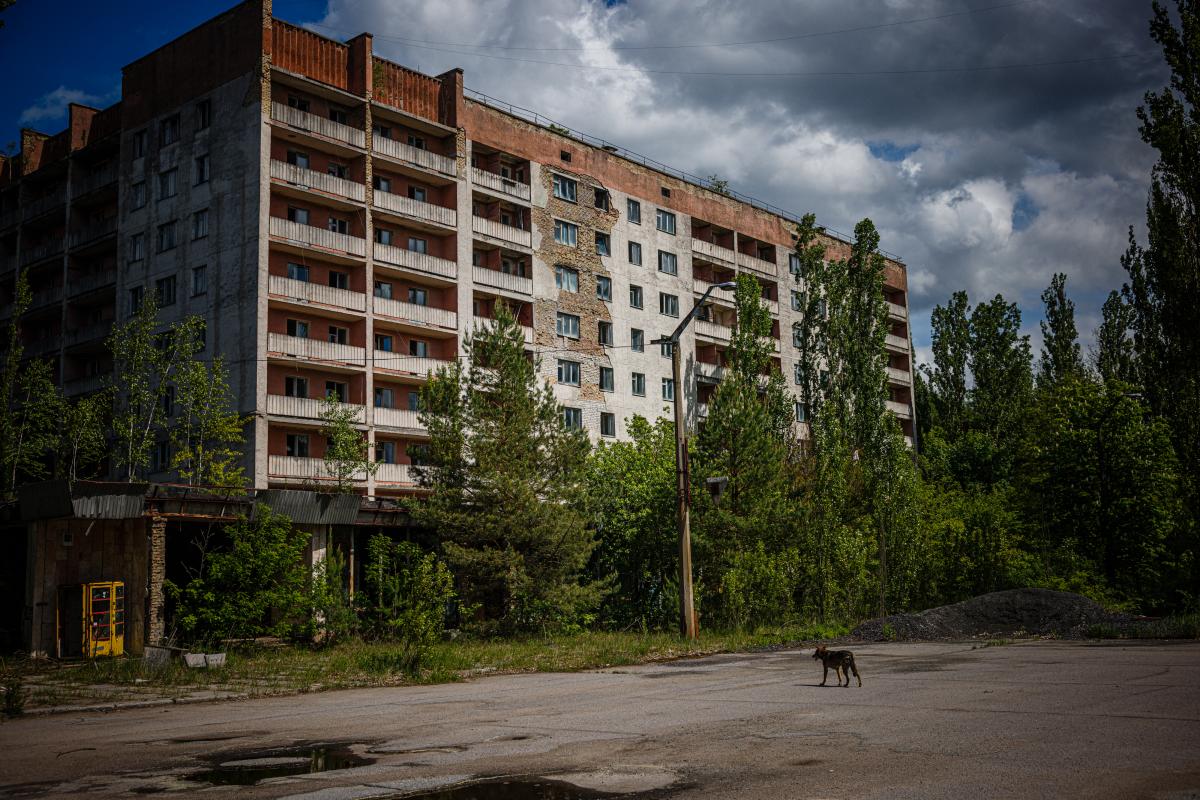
[296, 467]
[309, 408]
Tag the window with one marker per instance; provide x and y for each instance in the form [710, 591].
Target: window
[338, 334]
[603, 288]
[338, 170]
[564, 155]
[200, 224]
[797, 301]
[665, 221]
[199, 280]
[414, 401]
[566, 233]
[137, 247]
[798, 374]
[383, 342]
[335, 390]
[668, 262]
[383, 236]
[385, 398]
[166, 237]
[797, 335]
[417, 245]
[633, 210]
[418, 297]
[608, 424]
[635, 296]
[418, 348]
[572, 418]
[160, 459]
[801, 412]
[668, 304]
[382, 184]
[602, 244]
[605, 333]
[510, 266]
[168, 402]
[297, 215]
[567, 325]
[294, 386]
[668, 388]
[298, 103]
[297, 272]
[601, 199]
[167, 183]
[564, 188]
[339, 225]
[606, 379]
[666, 192]
[417, 193]
[823, 380]
[385, 452]
[568, 372]
[637, 340]
[168, 130]
[566, 279]
[297, 158]
[382, 131]
[137, 144]
[297, 445]
[666, 349]
[201, 169]
[416, 141]
[383, 289]
[639, 384]
[339, 280]
[137, 195]
[337, 115]
[297, 328]
[203, 114]
[136, 294]
[794, 265]
[635, 253]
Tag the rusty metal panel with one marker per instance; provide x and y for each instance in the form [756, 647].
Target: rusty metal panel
[312, 508]
[83, 500]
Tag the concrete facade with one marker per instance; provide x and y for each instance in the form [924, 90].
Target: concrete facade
[361, 219]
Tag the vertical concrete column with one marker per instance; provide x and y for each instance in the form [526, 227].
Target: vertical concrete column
[156, 540]
[362, 83]
[258, 438]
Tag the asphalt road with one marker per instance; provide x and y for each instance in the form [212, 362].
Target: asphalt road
[1035, 719]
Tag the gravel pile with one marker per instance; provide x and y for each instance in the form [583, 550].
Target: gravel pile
[1016, 612]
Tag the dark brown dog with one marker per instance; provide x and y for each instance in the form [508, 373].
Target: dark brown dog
[840, 660]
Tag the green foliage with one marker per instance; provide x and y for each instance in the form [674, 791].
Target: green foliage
[508, 487]
[332, 616]
[1116, 360]
[83, 440]
[255, 585]
[1060, 340]
[757, 588]
[208, 433]
[405, 594]
[347, 457]
[12, 686]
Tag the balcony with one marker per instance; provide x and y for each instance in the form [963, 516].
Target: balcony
[99, 179]
[502, 280]
[399, 474]
[901, 376]
[318, 237]
[316, 349]
[305, 292]
[756, 264]
[311, 123]
[411, 312]
[92, 282]
[413, 155]
[896, 343]
[42, 251]
[901, 410]
[897, 311]
[49, 202]
[311, 179]
[410, 259]
[714, 251]
[97, 331]
[713, 330]
[710, 372]
[498, 230]
[399, 418]
[93, 232]
[298, 467]
[416, 209]
[393, 362]
[306, 407]
[45, 297]
[483, 323]
[498, 183]
[86, 385]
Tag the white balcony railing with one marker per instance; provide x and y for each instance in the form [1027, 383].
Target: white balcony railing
[311, 179]
[315, 349]
[901, 376]
[92, 281]
[306, 292]
[401, 418]
[502, 280]
[305, 407]
[756, 264]
[499, 183]
[413, 155]
[411, 312]
[896, 343]
[422, 262]
[714, 251]
[298, 467]
[409, 365]
[318, 237]
[428, 212]
[499, 230]
[485, 324]
[711, 371]
[327, 128]
[395, 474]
[713, 330]
[901, 410]
[897, 311]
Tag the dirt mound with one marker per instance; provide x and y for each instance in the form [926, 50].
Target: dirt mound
[1016, 612]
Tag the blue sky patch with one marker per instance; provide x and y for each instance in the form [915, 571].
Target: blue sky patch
[1024, 212]
[890, 151]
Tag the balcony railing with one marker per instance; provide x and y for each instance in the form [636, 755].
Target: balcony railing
[411, 312]
[501, 231]
[413, 155]
[395, 474]
[714, 251]
[896, 343]
[756, 264]
[9, 218]
[713, 330]
[901, 410]
[422, 262]
[311, 179]
[95, 332]
[86, 385]
[98, 179]
[42, 251]
[298, 467]
[897, 311]
[318, 237]
[485, 324]
[327, 128]
[499, 183]
[417, 209]
[35, 208]
[92, 281]
[93, 232]
[398, 418]
[899, 376]
[306, 407]
[317, 293]
[45, 297]
[409, 365]
[316, 349]
[502, 280]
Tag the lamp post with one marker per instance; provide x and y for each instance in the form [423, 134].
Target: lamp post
[687, 613]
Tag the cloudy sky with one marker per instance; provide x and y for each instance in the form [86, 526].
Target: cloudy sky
[993, 142]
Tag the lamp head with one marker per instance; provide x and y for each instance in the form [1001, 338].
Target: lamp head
[727, 285]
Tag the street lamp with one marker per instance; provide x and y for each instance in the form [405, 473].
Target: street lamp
[687, 613]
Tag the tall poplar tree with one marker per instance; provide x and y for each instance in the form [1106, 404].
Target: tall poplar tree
[1116, 359]
[1060, 339]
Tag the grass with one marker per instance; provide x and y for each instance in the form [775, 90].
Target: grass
[268, 670]
[1182, 626]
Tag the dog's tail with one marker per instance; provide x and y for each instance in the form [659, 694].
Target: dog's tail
[854, 669]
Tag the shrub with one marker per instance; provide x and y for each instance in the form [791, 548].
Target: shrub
[406, 592]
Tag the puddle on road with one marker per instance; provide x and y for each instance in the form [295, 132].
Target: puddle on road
[532, 789]
[247, 769]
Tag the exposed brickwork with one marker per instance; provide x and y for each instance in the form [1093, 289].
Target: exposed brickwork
[157, 539]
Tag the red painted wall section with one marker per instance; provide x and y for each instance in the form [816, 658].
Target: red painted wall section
[407, 89]
[306, 53]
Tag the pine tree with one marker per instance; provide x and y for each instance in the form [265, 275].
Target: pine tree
[1060, 340]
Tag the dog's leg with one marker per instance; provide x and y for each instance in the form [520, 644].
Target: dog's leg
[854, 667]
[825, 674]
